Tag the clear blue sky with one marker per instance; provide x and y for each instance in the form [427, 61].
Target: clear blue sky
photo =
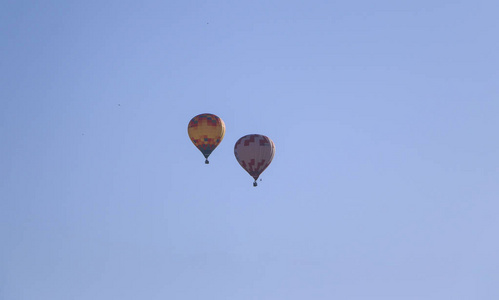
[385, 182]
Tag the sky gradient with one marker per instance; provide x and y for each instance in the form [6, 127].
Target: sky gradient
[384, 184]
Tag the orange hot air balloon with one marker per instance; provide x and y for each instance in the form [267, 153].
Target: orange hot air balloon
[254, 152]
[206, 132]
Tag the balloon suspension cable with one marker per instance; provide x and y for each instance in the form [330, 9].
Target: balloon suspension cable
[254, 183]
[206, 161]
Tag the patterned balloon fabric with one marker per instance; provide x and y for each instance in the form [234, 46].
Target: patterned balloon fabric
[254, 152]
[206, 131]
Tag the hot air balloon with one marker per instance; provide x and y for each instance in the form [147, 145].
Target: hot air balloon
[206, 132]
[254, 152]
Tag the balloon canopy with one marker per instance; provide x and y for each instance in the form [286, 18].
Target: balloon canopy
[254, 152]
[206, 131]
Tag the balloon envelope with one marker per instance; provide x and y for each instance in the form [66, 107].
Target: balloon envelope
[206, 131]
[254, 152]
